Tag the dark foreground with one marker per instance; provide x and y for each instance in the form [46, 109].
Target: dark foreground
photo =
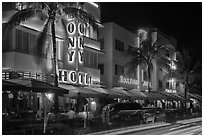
[76, 126]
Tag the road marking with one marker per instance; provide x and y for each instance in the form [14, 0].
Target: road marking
[182, 130]
[180, 127]
[189, 132]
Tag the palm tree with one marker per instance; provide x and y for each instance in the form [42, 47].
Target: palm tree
[50, 13]
[189, 70]
[146, 53]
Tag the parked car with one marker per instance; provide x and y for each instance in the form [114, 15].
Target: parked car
[124, 112]
[154, 114]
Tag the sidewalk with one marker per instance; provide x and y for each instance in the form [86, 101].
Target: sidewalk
[144, 127]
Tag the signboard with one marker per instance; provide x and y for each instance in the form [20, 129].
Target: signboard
[71, 76]
[75, 42]
[129, 81]
[145, 84]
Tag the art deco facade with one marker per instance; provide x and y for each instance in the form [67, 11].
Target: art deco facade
[116, 41]
[77, 59]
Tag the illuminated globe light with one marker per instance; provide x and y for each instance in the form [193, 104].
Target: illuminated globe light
[142, 34]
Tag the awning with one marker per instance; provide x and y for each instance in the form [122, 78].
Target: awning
[34, 85]
[154, 96]
[194, 96]
[75, 91]
[106, 92]
[7, 85]
[170, 97]
[121, 91]
[137, 95]
[181, 98]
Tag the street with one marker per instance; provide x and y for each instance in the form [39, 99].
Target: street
[194, 128]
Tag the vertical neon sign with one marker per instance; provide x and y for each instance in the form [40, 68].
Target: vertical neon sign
[75, 54]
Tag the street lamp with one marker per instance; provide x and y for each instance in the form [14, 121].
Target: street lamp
[143, 34]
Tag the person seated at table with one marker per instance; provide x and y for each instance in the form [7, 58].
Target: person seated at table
[39, 114]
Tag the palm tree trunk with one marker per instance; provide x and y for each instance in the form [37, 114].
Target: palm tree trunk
[55, 62]
[185, 91]
[149, 78]
[186, 88]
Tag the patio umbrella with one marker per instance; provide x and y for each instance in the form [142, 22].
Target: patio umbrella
[75, 91]
[136, 94]
[7, 85]
[121, 91]
[36, 85]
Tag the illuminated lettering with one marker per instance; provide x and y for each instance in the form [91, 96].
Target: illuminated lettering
[128, 81]
[86, 79]
[73, 77]
[71, 28]
[72, 42]
[65, 76]
[81, 78]
[71, 56]
[68, 76]
[75, 42]
[80, 54]
[81, 28]
[81, 43]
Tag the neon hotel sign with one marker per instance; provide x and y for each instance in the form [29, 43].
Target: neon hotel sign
[75, 55]
[128, 81]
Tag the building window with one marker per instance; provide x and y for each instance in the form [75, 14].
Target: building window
[32, 42]
[167, 85]
[90, 59]
[6, 40]
[145, 76]
[101, 67]
[119, 45]
[22, 41]
[167, 53]
[101, 43]
[119, 70]
[160, 84]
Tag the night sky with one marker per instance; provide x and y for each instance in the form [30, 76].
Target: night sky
[181, 20]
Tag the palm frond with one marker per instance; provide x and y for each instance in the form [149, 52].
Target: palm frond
[82, 15]
[65, 32]
[20, 16]
[40, 46]
[42, 14]
[132, 64]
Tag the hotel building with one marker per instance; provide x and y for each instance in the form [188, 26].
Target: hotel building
[115, 42]
[77, 60]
